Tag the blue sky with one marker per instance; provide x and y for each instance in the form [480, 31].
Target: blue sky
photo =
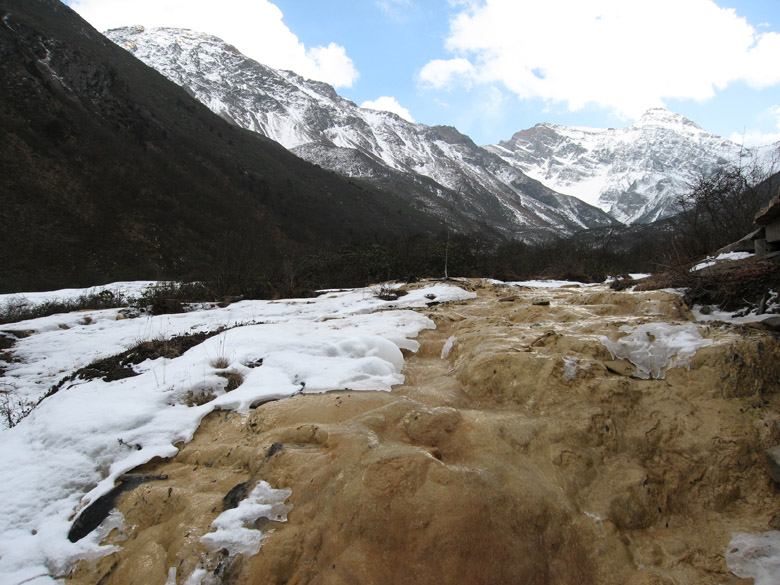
[493, 67]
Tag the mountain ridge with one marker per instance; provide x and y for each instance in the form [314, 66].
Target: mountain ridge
[634, 173]
[120, 174]
[312, 120]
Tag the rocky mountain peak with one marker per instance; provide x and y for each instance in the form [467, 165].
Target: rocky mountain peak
[634, 173]
[436, 167]
[663, 118]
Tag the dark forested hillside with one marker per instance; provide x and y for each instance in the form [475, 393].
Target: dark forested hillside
[109, 171]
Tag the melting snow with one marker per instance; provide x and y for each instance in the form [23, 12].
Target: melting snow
[233, 527]
[75, 443]
[571, 365]
[448, 345]
[755, 556]
[771, 309]
[655, 347]
[710, 261]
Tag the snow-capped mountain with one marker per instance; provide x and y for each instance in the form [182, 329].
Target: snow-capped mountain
[633, 173]
[435, 166]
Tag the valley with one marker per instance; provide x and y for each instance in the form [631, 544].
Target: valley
[252, 333]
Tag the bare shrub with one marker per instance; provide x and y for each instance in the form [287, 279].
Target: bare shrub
[20, 309]
[720, 207]
[387, 292]
[13, 409]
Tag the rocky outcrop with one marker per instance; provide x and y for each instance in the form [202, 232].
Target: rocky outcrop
[773, 461]
[520, 449]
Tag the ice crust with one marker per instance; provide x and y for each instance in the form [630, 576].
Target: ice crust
[755, 556]
[653, 348]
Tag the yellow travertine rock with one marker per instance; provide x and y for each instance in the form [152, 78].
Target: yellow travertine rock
[527, 455]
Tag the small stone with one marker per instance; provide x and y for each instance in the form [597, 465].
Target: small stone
[772, 323]
[773, 459]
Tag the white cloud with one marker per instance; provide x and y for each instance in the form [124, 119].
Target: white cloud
[388, 104]
[446, 74]
[333, 65]
[255, 27]
[756, 137]
[392, 7]
[494, 102]
[623, 56]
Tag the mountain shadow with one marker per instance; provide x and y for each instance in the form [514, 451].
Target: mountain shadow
[110, 171]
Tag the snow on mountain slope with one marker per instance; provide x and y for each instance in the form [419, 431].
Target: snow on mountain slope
[633, 173]
[436, 166]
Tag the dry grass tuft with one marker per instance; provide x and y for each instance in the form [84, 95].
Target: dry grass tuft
[220, 363]
[199, 397]
[234, 380]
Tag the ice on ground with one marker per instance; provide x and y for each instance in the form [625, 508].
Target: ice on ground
[712, 261]
[655, 347]
[171, 580]
[571, 365]
[233, 528]
[447, 348]
[755, 556]
[76, 442]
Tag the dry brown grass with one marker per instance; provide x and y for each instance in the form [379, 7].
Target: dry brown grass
[220, 362]
[199, 397]
[234, 379]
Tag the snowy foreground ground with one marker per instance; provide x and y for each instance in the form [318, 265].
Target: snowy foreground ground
[74, 445]
[77, 442]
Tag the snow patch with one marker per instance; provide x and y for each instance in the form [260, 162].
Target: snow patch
[546, 283]
[29, 299]
[234, 528]
[171, 580]
[710, 261]
[75, 444]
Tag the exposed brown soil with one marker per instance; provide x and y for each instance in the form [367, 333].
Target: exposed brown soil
[494, 465]
[7, 342]
[118, 367]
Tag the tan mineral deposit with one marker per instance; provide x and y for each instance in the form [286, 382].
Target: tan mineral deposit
[519, 450]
